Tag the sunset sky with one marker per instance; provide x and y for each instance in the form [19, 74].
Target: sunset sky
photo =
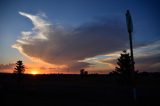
[64, 36]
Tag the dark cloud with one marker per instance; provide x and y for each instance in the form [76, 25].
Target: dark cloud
[148, 63]
[147, 57]
[67, 47]
[6, 67]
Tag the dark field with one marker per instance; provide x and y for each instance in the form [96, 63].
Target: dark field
[76, 90]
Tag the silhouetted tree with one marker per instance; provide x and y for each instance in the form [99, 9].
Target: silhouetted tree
[83, 72]
[124, 68]
[19, 68]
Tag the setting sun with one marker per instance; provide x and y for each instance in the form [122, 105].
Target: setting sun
[34, 72]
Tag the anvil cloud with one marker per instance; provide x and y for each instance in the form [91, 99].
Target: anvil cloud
[57, 45]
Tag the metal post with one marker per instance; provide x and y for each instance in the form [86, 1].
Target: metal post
[130, 30]
[131, 50]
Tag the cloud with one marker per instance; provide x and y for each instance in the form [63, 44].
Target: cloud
[147, 57]
[57, 45]
[6, 67]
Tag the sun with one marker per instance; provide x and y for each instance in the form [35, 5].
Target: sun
[34, 72]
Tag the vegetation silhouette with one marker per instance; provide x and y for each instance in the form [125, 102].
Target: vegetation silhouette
[19, 67]
[126, 75]
[124, 68]
[19, 70]
[83, 72]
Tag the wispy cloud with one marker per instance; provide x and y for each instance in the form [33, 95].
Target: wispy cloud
[40, 27]
[147, 57]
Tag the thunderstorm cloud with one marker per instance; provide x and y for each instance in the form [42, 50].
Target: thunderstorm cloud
[55, 44]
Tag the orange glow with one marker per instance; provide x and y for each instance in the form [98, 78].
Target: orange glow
[34, 71]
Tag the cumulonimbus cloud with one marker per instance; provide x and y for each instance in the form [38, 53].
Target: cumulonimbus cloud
[59, 46]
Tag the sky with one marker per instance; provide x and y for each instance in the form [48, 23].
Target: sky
[64, 36]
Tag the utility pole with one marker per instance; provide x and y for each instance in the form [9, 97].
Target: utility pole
[130, 30]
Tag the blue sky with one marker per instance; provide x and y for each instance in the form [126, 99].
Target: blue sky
[74, 14]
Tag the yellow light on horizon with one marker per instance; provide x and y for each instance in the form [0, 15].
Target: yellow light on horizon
[34, 72]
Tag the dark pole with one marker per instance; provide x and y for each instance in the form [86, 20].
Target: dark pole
[131, 50]
[130, 30]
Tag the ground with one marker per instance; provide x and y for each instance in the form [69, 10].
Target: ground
[76, 90]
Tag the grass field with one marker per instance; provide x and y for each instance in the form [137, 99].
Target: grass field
[76, 90]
